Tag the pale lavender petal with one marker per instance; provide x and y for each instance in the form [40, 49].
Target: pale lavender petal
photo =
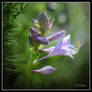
[65, 41]
[70, 51]
[48, 50]
[70, 46]
[56, 36]
[60, 52]
[58, 47]
[34, 32]
[42, 40]
[73, 51]
[41, 59]
[45, 70]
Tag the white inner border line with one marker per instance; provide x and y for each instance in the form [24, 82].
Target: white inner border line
[45, 89]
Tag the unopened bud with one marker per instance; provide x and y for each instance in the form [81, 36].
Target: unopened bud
[45, 70]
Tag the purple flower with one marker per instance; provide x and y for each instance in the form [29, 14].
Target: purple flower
[45, 70]
[64, 47]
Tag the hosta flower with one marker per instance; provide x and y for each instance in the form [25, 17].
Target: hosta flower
[64, 47]
[42, 26]
[45, 70]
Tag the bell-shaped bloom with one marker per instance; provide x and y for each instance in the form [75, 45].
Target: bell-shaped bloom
[45, 70]
[64, 47]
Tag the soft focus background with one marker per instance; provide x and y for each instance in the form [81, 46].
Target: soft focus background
[69, 74]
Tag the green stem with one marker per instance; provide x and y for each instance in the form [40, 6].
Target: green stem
[30, 66]
[30, 62]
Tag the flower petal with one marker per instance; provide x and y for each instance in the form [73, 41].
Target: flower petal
[66, 40]
[45, 70]
[56, 36]
[70, 51]
[41, 59]
[47, 26]
[42, 40]
[61, 52]
[73, 51]
[49, 50]
[34, 32]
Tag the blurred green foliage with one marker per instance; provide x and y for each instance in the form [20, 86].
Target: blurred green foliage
[17, 19]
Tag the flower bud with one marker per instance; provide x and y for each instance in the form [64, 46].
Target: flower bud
[45, 70]
[49, 26]
[56, 36]
[42, 20]
[52, 24]
[42, 40]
